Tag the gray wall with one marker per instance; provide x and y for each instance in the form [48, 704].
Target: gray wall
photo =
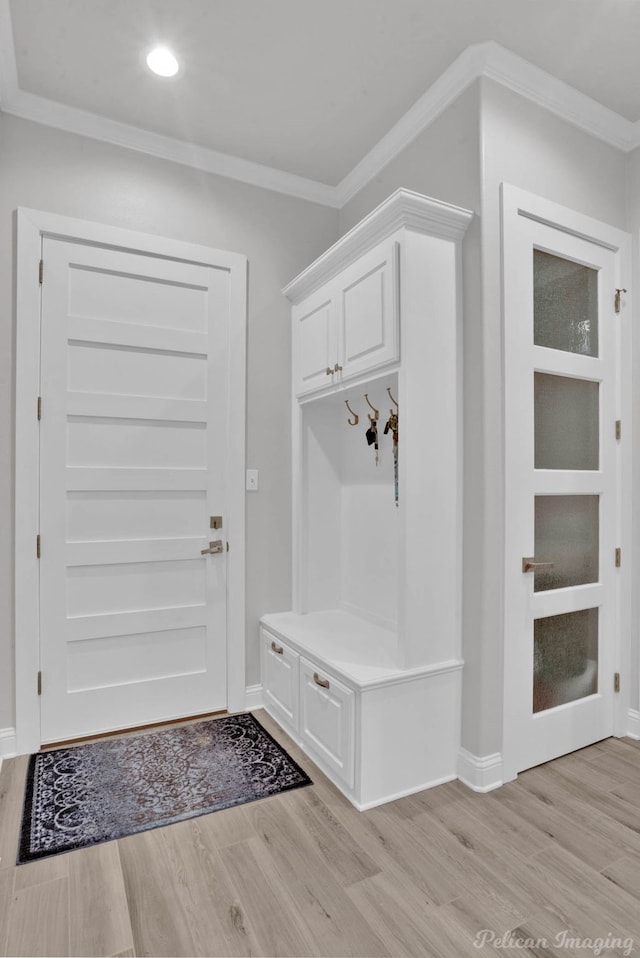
[57, 172]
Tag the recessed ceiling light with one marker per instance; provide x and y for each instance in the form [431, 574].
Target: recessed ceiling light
[161, 61]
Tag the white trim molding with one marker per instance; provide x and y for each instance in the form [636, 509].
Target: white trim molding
[633, 724]
[404, 208]
[487, 59]
[464, 71]
[254, 697]
[480, 773]
[376, 802]
[547, 91]
[7, 743]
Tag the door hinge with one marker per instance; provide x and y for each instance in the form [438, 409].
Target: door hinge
[38, 546]
[618, 429]
[41, 272]
[616, 299]
[39, 408]
[39, 683]
[618, 558]
[616, 681]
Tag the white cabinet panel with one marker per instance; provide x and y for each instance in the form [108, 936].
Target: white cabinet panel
[327, 720]
[315, 351]
[368, 312]
[280, 679]
[350, 325]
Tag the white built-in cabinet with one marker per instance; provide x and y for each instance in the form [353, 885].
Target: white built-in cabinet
[364, 672]
[349, 326]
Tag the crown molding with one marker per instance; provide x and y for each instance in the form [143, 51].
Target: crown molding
[404, 208]
[494, 62]
[547, 91]
[39, 109]
[487, 59]
[82, 122]
[440, 95]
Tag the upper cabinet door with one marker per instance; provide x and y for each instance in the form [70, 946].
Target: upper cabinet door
[315, 350]
[350, 325]
[368, 308]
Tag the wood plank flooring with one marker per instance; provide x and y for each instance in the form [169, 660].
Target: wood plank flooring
[547, 865]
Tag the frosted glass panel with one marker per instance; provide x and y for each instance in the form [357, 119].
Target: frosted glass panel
[566, 534]
[565, 658]
[567, 422]
[565, 304]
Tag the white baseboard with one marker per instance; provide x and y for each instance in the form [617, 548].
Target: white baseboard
[633, 724]
[254, 697]
[365, 806]
[8, 745]
[480, 773]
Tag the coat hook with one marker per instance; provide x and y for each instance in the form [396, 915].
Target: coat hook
[356, 418]
[394, 401]
[377, 414]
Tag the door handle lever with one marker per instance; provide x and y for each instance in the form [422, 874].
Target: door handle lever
[529, 564]
[214, 548]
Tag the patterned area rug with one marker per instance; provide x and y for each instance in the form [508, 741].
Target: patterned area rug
[97, 792]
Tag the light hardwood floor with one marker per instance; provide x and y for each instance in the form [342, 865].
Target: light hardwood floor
[550, 857]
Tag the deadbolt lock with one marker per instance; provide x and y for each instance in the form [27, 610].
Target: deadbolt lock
[215, 522]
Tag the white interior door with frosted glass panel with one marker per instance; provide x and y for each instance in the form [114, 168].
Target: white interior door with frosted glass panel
[132, 458]
[562, 491]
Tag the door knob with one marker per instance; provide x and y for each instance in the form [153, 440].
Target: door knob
[214, 548]
[529, 564]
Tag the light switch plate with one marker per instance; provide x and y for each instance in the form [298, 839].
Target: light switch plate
[252, 480]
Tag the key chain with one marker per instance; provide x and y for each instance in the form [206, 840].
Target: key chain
[372, 431]
[372, 435]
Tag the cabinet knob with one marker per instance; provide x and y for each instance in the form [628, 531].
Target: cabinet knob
[276, 648]
[337, 368]
[323, 683]
[329, 371]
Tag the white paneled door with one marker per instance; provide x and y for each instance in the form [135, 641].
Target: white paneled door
[563, 413]
[133, 439]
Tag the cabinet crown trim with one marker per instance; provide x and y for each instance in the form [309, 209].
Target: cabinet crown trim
[404, 208]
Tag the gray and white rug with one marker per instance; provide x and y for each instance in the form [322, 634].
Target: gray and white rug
[105, 790]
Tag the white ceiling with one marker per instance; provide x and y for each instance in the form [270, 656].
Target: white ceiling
[308, 87]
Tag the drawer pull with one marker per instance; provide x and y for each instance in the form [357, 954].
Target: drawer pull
[277, 648]
[323, 683]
